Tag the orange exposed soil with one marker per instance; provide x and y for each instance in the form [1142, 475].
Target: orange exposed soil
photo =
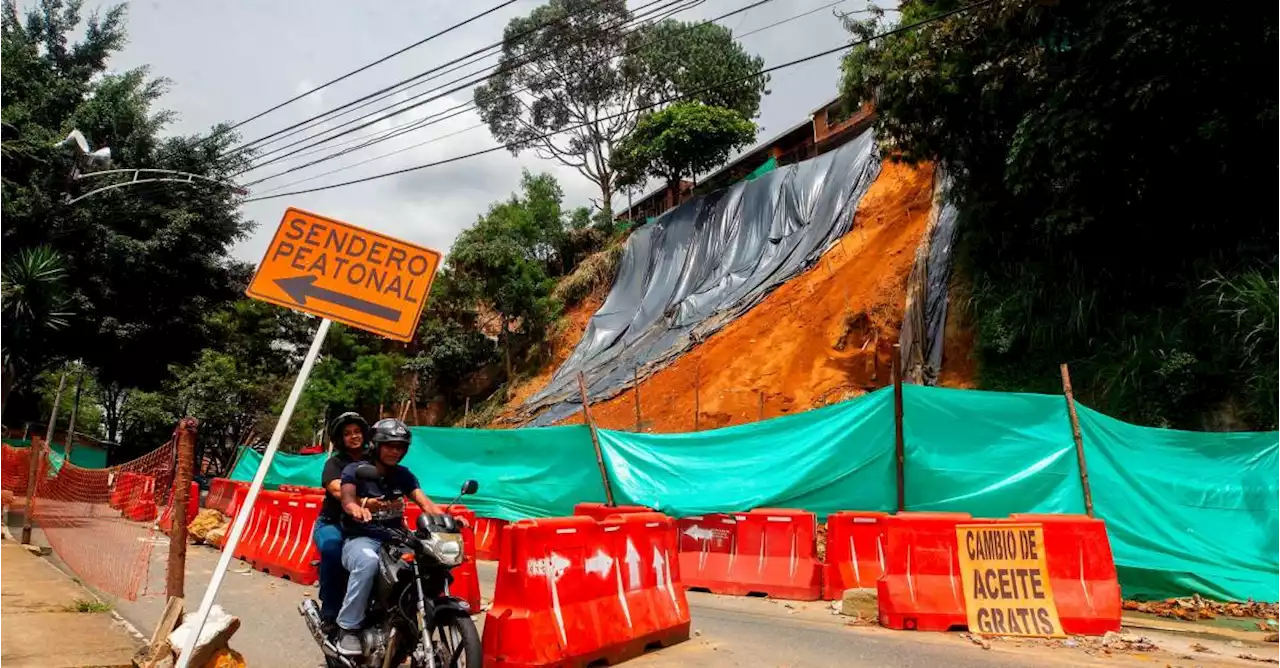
[824, 336]
[570, 328]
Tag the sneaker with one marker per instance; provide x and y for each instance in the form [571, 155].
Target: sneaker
[329, 627]
[349, 643]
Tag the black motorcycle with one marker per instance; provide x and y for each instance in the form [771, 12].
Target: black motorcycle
[411, 615]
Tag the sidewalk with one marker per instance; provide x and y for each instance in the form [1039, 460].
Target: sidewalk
[39, 624]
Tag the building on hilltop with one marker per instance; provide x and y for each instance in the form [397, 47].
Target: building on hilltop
[827, 127]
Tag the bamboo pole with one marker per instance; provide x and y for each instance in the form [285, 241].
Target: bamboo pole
[595, 439]
[466, 413]
[1075, 434]
[899, 446]
[75, 411]
[761, 393]
[175, 575]
[635, 381]
[697, 398]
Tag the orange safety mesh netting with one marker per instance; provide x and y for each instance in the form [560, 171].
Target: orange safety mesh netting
[99, 522]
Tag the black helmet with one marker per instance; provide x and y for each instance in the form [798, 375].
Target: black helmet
[339, 423]
[390, 430]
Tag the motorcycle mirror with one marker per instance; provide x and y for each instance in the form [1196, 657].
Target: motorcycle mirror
[367, 472]
[470, 487]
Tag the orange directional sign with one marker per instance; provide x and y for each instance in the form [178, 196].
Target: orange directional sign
[351, 275]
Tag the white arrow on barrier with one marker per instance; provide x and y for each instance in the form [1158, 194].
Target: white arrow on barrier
[662, 568]
[622, 597]
[633, 566]
[552, 567]
[600, 564]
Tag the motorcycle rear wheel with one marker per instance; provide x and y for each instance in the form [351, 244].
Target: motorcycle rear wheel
[457, 643]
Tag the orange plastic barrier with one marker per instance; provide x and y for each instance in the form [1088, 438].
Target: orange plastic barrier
[285, 548]
[855, 552]
[261, 523]
[466, 578]
[220, 492]
[301, 489]
[122, 488]
[707, 544]
[193, 507]
[1082, 572]
[141, 504]
[238, 495]
[921, 588]
[488, 535]
[768, 551]
[600, 511]
[574, 590]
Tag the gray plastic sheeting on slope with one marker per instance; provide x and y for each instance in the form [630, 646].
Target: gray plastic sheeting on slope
[924, 319]
[706, 262]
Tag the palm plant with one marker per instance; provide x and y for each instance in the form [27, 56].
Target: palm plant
[34, 306]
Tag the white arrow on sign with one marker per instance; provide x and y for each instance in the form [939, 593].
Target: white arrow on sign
[633, 565]
[600, 564]
[552, 567]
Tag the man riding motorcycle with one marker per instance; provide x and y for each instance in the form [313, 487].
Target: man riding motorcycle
[366, 513]
[348, 433]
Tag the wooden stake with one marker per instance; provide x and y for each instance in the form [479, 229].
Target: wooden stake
[36, 455]
[176, 573]
[697, 398]
[635, 380]
[75, 411]
[1075, 434]
[761, 393]
[595, 439]
[899, 447]
[466, 413]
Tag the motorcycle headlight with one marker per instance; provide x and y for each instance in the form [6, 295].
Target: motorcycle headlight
[447, 547]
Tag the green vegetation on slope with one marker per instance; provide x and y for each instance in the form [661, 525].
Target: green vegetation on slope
[1111, 163]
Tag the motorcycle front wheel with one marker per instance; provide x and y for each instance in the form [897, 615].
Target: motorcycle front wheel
[457, 643]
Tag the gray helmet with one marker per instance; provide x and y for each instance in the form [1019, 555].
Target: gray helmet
[390, 430]
[339, 423]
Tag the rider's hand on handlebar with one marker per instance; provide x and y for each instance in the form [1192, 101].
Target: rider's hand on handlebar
[359, 513]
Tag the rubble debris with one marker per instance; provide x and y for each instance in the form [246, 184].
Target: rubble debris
[822, 542]
[205, 521]
[1249, 656]
[1197, 647]
[859, 602]
[1271, 637]
[1127, 642]
[1196, 608]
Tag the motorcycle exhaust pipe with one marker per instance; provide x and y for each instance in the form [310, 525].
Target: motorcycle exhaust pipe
[311, 614]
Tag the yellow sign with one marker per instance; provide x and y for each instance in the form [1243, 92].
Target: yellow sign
[329, 268]
[1006, 580]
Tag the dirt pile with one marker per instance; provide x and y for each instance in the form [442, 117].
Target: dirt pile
[822, 337]
[1196, 608]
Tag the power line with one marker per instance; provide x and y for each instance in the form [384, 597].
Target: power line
[677, 98]
[497, 69]
[358, 70]
[421, 124]
[415, 77]
[478, 125]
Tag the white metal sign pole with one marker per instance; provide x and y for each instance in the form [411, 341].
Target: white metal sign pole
[242, 516]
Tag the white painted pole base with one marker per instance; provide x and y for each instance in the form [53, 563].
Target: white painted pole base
[242, 516]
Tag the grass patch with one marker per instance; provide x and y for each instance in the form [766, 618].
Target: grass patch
[596, 271]
[88, 605]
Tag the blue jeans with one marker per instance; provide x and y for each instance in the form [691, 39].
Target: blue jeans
[333, 577]
[360, 556]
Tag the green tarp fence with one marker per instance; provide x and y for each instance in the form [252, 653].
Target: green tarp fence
[1186, 512]
[83, 456]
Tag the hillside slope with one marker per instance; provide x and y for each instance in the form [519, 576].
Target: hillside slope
[821, 337]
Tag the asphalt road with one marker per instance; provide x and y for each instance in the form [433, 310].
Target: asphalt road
[728, 631]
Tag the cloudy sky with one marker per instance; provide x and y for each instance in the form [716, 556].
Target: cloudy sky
[230, 59]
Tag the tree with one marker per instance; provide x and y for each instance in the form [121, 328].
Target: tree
[35, 305]
[577, 68]
[702, 62]
[143, 266]
[685, 139]
[1080, 136]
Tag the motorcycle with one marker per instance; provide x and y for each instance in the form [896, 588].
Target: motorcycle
[411, 615]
